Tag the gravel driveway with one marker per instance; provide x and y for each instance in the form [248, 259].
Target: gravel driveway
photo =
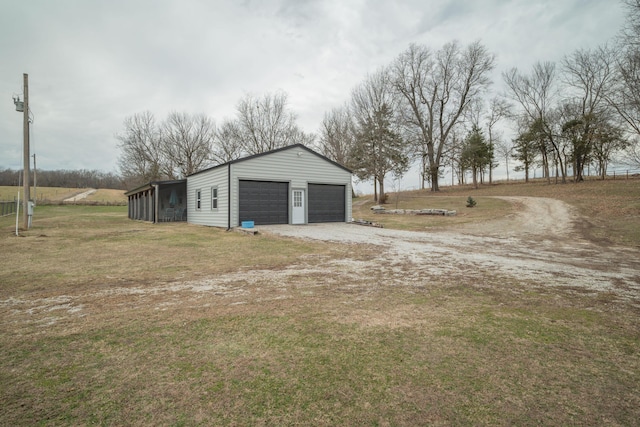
[539, 245]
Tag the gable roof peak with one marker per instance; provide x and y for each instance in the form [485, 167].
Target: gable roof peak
[276, 150]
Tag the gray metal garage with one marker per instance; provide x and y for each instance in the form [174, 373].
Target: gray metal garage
[290, 185]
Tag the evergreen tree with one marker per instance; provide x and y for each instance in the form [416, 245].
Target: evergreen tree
[477, 154]
[379, 149]
[525, 150]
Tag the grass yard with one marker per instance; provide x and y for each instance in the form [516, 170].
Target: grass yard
[486, 209]
[107, 321]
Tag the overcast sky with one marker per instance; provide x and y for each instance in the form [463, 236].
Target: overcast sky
[92, 63]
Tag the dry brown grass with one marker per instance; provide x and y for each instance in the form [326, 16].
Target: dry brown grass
[106, 196]
[79, 246]
[49, 194]
[611, 207]
[116, 322]
[487, 208]
[56, 195]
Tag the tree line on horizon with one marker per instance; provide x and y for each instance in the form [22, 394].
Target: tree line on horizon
[432, 108]
[66, 178]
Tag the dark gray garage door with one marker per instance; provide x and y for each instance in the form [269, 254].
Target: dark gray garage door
[264, 202]
[326, 203]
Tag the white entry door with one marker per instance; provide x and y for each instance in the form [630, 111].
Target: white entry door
[297, 212]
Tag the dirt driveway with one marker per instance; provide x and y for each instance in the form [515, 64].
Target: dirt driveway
[542, 244]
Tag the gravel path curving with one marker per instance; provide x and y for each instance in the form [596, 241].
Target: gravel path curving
[80, 196]
[540, 244]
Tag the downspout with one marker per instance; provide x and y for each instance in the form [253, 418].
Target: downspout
[229, 197]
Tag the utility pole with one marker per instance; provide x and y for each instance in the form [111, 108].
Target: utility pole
[35, 181]
[25, 179]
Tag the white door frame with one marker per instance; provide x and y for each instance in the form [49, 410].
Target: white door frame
[298, 206]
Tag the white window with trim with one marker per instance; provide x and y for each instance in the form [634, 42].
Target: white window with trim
[198, 199]
[214, 198]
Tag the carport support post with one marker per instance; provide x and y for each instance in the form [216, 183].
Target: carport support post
[156, 199]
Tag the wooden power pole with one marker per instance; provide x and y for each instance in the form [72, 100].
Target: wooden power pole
[25, 178]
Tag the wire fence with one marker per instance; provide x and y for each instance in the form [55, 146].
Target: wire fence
[8, 207]
[616, 173]
[622, 173]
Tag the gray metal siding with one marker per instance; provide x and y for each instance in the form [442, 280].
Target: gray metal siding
[206, 215]
[296, 166]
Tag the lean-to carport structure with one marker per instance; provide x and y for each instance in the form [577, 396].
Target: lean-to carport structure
[159, 201]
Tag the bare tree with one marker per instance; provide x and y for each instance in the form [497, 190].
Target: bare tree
[368, 98]
[608, 140]
[337, 135]
[228, 143]
[437, 89]
[537, 95]
[187, 142]
[453, 156]
[498, 109]
[625, 98]
[632, 154]
[264, 124]
[141, 155]
[630, 33]
[504, 149]
[410, 74]
[535, 92]
[589, 75]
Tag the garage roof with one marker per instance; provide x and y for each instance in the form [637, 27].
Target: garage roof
[288, 147]
[149, 185]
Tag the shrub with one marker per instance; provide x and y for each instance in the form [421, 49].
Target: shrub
[471, 202]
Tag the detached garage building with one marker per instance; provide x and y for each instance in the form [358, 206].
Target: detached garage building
[290, 185]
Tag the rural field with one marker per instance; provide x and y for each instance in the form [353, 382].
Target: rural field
[524, 310]
[58, 195]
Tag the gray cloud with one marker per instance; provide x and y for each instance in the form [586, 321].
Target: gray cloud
[91, 64]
